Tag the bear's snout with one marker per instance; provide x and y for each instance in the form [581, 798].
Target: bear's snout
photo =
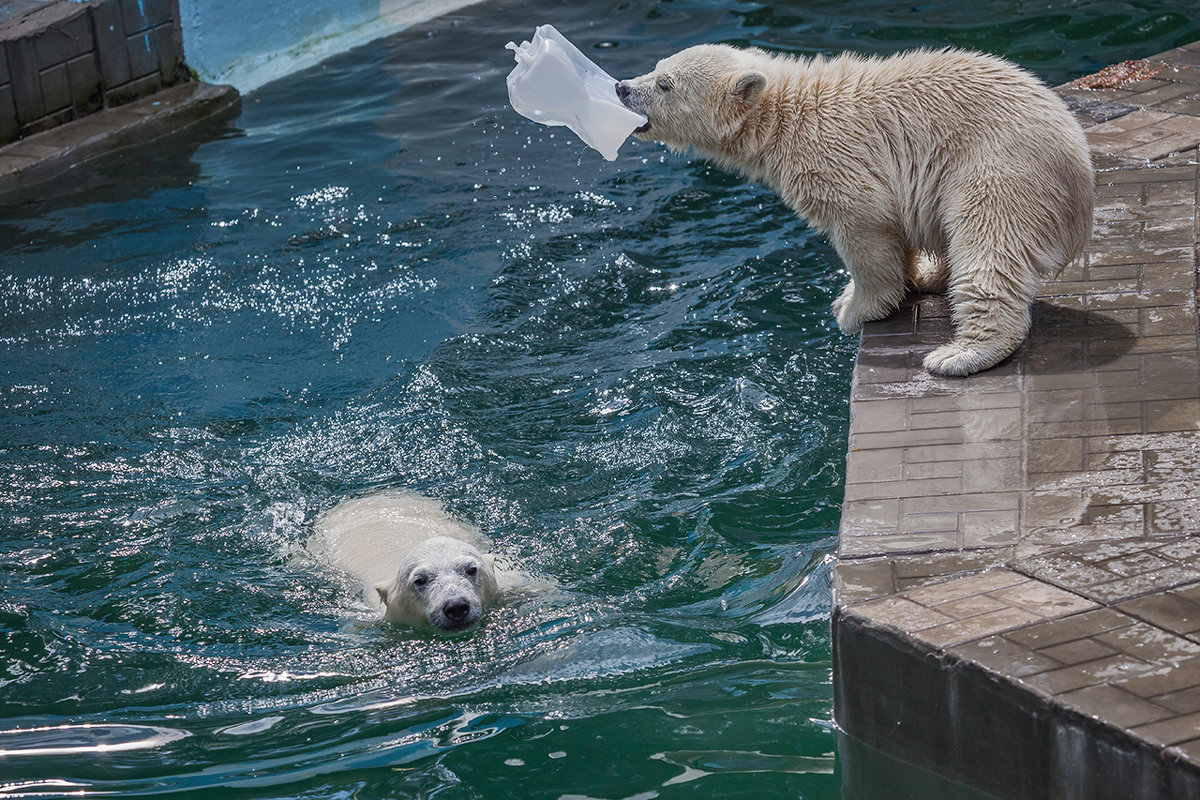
[456, 613]
[457, 610]
[629, 100]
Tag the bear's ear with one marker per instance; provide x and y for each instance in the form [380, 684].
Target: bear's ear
[382, 588]
[749, 86]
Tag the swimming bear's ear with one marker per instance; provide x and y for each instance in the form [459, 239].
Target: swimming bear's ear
[383, 589]
[749, 86]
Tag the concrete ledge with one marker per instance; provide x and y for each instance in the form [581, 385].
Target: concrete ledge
[65, 59]
[948, 713]
[54, 153]
[1017, 595]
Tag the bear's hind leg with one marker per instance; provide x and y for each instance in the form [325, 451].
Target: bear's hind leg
[876, 261]
[991, 308]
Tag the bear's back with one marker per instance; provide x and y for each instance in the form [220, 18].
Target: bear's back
[933, 94]
[369, 536]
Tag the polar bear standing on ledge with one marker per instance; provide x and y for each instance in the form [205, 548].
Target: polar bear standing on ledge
[940, 171]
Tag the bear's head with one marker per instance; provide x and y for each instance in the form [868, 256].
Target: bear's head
[698, 97]
[444, 582]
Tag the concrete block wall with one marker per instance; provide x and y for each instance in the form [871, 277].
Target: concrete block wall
[67, 59]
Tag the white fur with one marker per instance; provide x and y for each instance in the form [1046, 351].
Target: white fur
[940, 171]
[424, 566]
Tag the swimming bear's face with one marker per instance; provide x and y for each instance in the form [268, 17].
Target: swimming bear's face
[443, 582]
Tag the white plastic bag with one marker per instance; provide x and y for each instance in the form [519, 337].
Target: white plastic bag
[555, 84]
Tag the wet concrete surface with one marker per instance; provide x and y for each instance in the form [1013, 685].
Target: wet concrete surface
[1017, 594]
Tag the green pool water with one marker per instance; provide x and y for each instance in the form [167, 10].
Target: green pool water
[380, 277]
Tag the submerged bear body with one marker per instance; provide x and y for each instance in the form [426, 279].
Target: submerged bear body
[940, 171]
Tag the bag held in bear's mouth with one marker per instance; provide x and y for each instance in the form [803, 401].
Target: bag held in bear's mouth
[555, 84]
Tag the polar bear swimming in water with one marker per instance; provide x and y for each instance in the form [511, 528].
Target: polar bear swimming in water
[424, 566]
[943, 171]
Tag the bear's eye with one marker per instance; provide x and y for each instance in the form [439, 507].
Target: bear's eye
[664, 84]
[420, 581]
[472, 571]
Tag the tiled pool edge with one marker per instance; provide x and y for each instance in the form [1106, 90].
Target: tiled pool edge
[1017, 595]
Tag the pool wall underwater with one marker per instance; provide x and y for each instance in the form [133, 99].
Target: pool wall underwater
[247, 44]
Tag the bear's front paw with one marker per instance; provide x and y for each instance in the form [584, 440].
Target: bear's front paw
[847, 319]
[958, 359]
[853, 315]
[842, 310]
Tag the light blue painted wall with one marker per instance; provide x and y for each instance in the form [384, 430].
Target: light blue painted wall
[247, 43]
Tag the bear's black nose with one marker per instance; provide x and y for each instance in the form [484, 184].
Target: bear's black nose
[456, 610]
[623, 90]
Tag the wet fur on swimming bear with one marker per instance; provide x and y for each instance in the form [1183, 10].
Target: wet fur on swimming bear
[424, 566]
[940, 171]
